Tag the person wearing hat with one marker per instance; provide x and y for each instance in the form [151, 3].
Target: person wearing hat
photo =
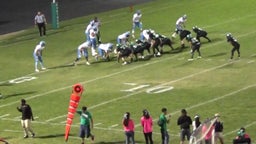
[218, 129]
[242, 137]
[26, 118]
[196, 123]
[147, 125]
[37, 54]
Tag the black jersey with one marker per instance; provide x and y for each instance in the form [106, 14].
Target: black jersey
[233, 41]
[26, 112]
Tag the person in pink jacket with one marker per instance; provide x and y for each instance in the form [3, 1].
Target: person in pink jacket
[128, 126]
[147, 124]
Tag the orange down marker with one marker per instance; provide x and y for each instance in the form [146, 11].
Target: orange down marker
[73, 103]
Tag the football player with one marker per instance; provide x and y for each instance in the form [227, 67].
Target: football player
[183, 34]
[105, 50]
[195, 46]
[83, 50]
[180, 25]
[96, 25]
[235, 44]
[200, 33]
[136, 21]
[93, 41]
[123, 38]
[37, 54]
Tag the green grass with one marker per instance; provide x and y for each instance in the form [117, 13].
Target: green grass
[205, 87]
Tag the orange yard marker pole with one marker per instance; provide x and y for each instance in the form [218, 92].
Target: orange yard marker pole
[73, 104]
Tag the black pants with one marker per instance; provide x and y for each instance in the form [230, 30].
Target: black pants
[148, 138]
[195, 48]
[41, 28]
[235, 48]
[164, 136]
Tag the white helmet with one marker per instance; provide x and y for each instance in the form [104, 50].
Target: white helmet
[42, 43]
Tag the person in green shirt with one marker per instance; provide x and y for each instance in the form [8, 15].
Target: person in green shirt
[86, 124]
[163, 121]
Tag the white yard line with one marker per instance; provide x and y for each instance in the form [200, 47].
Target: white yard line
[107, 76]
[211, 100]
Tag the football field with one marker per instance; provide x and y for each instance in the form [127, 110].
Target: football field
[212, 84]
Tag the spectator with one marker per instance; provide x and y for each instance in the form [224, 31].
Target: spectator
[196, 123]
[147, 124]
[184, 121]
[164, 119]
[128, 126]
[86, 124]
[218, 129]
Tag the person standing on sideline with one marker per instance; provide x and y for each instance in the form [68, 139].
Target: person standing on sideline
[128, 126]
[218, 130]
[136, 22]
[37, 54]
[196, 123]
[86, 124]
[83, 50]
[40, 22]
[235, 44]
[184, 121]
[164, 119]
[26, 118]
[147, 125]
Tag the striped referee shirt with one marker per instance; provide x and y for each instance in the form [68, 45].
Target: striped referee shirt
[39, 18]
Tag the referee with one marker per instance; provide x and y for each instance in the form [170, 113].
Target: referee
[40, 21]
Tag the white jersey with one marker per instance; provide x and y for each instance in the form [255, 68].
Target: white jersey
[95, 24]
[124, 35]
[106, 47]
[145, 34]
[92, 34]
[84, 45]
[136, 17]
[88, 28]
[180, 21]
[38, 49]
